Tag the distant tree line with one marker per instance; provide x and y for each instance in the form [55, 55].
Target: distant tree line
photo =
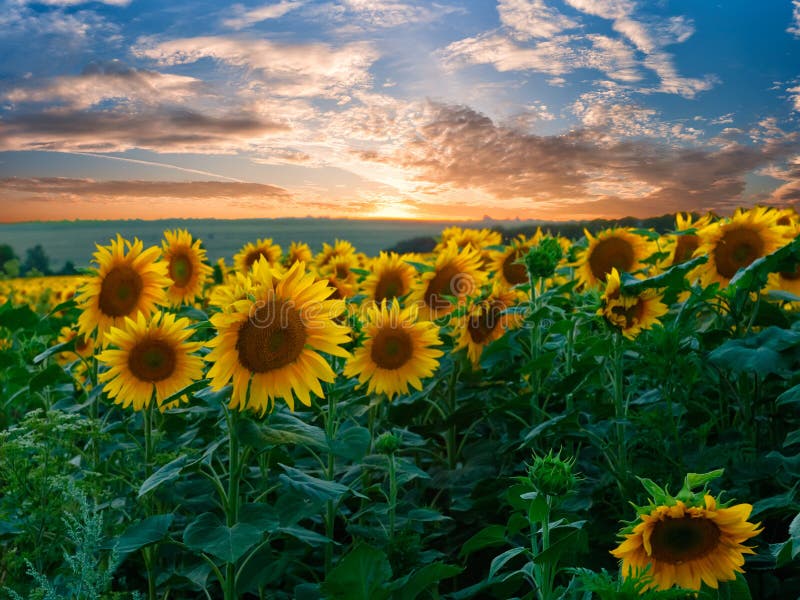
[36, 263]
[571, 229]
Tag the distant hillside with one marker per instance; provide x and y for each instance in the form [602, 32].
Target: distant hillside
[569, 229]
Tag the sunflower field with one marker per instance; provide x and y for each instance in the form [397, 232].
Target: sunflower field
[537, 418]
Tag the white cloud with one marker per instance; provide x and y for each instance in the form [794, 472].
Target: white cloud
[795, 97]
[77, 2]
[533, 18]
[244, 18]
[794, 28]
[299, 70]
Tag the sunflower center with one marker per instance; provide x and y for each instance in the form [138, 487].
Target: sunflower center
[253, 257]
[611, 253]
[441, 285]
[391, 348]
[81, 344]
[680, 540]
[737, 249]
[791, 275]
[273, 337]
[342, 271]
[180, 270]
[482, 325]
[685, 247]
[514, 273]
[120, 291]
[152, 360]
[632, 314]
[390, 285]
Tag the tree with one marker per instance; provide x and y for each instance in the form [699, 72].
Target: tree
[6, 254]
[37, 261]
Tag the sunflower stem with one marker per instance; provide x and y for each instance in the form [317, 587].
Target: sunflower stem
[452, 442]
[149, 553]
[330, 510]
[392, 495]
[620, 409]
[232, 506]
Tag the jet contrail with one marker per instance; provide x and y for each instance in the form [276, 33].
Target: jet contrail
[158, 164]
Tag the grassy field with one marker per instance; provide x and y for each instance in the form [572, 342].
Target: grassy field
[75, 241]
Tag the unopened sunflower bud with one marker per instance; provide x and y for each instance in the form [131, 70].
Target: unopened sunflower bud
[551, 475]
[542, 260]
[387, 443]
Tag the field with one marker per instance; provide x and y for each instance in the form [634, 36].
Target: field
[75, 241]
[612, 417]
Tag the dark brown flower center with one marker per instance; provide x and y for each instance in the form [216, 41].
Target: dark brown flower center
[342, 272]
[677, 541]
[81, 344]
[632, 314]
[611, 253]
[481, 326]
[152, 360]
[791, 275]
[442, 284]
[391, 348]
[180, 270]
[685, 247]
[390, 285]
[514, 273]
[737, 249]
[253, 257]
[120, 291]
[273, 337]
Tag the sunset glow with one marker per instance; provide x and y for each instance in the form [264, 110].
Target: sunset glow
[531, 109]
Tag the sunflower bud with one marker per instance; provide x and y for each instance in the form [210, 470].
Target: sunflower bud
[387, 443]
[542, 260]
[551, 475]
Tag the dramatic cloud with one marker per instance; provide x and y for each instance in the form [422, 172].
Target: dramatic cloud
[245, 18]
[794, 28]
[299, 70]
[160, 131]
[457, 147]
[112, 80]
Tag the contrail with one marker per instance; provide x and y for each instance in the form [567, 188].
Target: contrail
[158, 164]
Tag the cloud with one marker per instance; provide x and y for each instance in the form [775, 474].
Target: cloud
[794, 96]
[794, 28]
[533, 18]
[457, 148]
[160, 130]
[357, 15]
[49, 187]
[788, 192]
[555, 56]
[67, 3]
[245, 17]
[111, 80]
[292, 70]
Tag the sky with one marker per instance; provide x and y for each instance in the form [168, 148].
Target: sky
[530, 109]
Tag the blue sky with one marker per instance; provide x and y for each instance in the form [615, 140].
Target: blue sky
[554, 109]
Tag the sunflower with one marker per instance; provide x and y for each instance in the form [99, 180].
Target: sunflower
[734, 244]
[128, 281]
[340, 248]
[390, 277]
[397, 351]
[83, 346]
[486, 322]
[688, 545]
[477, 239]
[684, 244]
[338, 272]
[250, 253]
[631, 314]
[152, 359]
[507, 265]
[298, 252]
[788, 217]
[612, 248]
[269, 341]
[455, 273]
[186, 267]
